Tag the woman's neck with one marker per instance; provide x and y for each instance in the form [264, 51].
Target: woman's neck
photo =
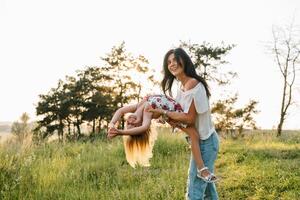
[183, 79]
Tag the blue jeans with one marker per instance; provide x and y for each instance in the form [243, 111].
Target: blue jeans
[196, 187]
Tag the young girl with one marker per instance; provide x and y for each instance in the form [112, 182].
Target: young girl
[138, 146]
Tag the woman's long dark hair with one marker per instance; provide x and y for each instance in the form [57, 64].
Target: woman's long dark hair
[184, 61]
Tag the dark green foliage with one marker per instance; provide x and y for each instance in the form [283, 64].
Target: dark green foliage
[232, 120]
[208, 60]
[92, 96]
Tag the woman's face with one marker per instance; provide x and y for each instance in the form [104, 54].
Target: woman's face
[174, 67]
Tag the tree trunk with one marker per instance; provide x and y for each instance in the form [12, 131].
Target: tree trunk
[74, 130]
[61, 131]
[282, 113]
[94, 126]
[69, 128]
[279, 128]
[99, 127]
[139, 93]
[78, 129]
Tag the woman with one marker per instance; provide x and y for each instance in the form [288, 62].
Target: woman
[193, 95]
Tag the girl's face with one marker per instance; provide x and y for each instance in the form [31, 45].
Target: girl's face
[131, 121]
[174, 67]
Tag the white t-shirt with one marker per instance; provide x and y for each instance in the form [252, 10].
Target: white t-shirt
[203, 121]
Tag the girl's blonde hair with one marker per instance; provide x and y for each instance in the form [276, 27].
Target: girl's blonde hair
[138, 148]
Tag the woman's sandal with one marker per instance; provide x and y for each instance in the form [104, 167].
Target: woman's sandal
[211, 178]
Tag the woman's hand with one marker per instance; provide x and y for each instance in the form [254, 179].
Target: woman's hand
[175, 124]
[172, 123]
[156, 110]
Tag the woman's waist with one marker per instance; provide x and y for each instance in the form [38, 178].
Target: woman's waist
[205, 133]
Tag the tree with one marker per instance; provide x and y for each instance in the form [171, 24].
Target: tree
[93, 95]
[142, 73]
[98, 101]
[126, 72]
[21, 129]
[208, 59]
[77, 91]
[54, 108]
[286, 50]
[64, 106]
[228, 118]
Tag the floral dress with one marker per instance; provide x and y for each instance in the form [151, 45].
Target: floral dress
[166, 103]
[163, 102]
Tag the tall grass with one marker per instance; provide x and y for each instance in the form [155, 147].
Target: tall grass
[258, 166]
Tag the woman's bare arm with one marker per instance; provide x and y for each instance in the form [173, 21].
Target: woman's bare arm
[188, 118]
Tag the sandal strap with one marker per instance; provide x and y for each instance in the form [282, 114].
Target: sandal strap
[202, 169]
[209, 177]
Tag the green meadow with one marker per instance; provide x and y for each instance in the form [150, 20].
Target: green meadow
[256, 166]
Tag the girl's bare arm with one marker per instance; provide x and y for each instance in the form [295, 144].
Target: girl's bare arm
[125, 109]
[147, 116]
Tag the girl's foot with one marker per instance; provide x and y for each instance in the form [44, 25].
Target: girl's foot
[206, 175]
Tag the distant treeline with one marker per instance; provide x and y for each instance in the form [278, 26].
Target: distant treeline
[5, 128]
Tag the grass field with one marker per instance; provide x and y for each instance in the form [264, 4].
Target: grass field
[258, 166]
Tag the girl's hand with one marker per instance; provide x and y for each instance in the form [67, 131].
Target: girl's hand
[112, 132]
[111, 136]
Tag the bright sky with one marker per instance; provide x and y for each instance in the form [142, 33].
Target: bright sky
[43, 41]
